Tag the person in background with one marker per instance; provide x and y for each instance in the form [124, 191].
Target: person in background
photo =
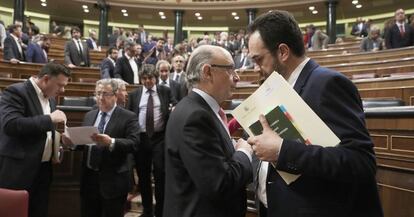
[163, 69]
[92, 41]
[400, 34]
[38, 49]
[14, 50]
[122, 93]
[373, 42]
[76, 52]
[108, 64]
[3, 34]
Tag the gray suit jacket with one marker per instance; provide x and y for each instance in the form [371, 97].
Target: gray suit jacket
[72, 55]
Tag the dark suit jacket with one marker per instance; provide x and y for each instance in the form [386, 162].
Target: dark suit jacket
[248, 62]
[165, 95]
[204, 175]
[90, 44]
[115, 169]
[183, 85]
[35, 54]
[335, 181]
[176, 89]
[107, 68]
[362, 33]
[23, 129]
[11, 50]
[124, 71]
[72, 54]
[394, 39]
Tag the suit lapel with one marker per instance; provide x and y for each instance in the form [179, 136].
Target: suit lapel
[33, 97]
[90, 119]
[138, 100]
[228, 146]
[304, 75]
[110, 125]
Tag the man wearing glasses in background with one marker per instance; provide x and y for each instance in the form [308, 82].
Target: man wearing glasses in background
[106, 173]
[206, 174]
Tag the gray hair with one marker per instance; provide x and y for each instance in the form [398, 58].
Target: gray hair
[162, 62]
[201, 55]
[108, 81]
[129, 44]
[374, 29]
[120, 83]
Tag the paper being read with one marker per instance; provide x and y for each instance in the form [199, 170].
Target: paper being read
[81, 135]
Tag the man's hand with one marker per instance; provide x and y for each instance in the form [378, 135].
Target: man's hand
[242, 144]
[102, 139]
[267, 145]
[66, 141]
[58, 116]
[14, 61]
[70, 65]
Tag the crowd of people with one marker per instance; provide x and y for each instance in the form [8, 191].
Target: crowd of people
[172, 127]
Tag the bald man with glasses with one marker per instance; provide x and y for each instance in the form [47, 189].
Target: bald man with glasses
[206, 172]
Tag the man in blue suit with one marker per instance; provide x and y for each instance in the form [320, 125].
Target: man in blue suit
[335, 181]
[37, 51]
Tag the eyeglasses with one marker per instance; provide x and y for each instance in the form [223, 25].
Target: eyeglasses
[104, 94]
[179, 61]
[227, 67]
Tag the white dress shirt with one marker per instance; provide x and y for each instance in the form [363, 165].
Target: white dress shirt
[264, 165]
[19, 46]
[134, 67]
[167, 82]
[175, 74]
[78, 44]
[44, 102]
[158, 121]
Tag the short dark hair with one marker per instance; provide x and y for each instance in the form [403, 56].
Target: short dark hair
[13, 27]
[35, 30]
[109, 51]
[148, 70]
[54, 69]
[74, 28]
[277, 27]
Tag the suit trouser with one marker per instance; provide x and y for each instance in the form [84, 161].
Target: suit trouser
[39, 192]
[93, 204]
[151, 154]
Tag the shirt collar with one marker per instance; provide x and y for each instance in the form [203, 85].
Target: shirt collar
[295, 74]
[154, 89]
[128, 57]
[14, 37]
[166, 81]
[210, 100]
[109, 113]
[37, 88]
[74, 39]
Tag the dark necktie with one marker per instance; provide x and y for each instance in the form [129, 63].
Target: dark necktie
[177, 78]
[80, 50]
[95, 152]
[402, 32]
[164, 83]
[149, 121]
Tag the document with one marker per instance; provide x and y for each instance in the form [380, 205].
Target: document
[81, 135]
[287, 114]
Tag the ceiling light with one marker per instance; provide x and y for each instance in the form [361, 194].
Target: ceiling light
[125, 14]
[355, 2]
[358, 6]
[42, 0]
[233, 13]
[200, 18]
[85, 6]
[197, 14]
[236, 17]
[161, 13]
[123, 10]
[163, 17]
[43, 4]
[311, 8]
[314, 12]
[86, 10]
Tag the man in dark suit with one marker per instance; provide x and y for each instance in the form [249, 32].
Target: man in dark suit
[13, 45]
[108, 64]
[143, 35]
[157, 52]
[242, 60]
[92, 41]
[28, 116]
[163, 69]
[151, 103]
[37, 51]
[106, 172]
[359, 28]
[76, 51]
[127, 66]
[206, 174]
[178, 63]
[334, 181]
[401, 34]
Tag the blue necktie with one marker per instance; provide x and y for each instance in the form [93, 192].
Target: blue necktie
[95, 154]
